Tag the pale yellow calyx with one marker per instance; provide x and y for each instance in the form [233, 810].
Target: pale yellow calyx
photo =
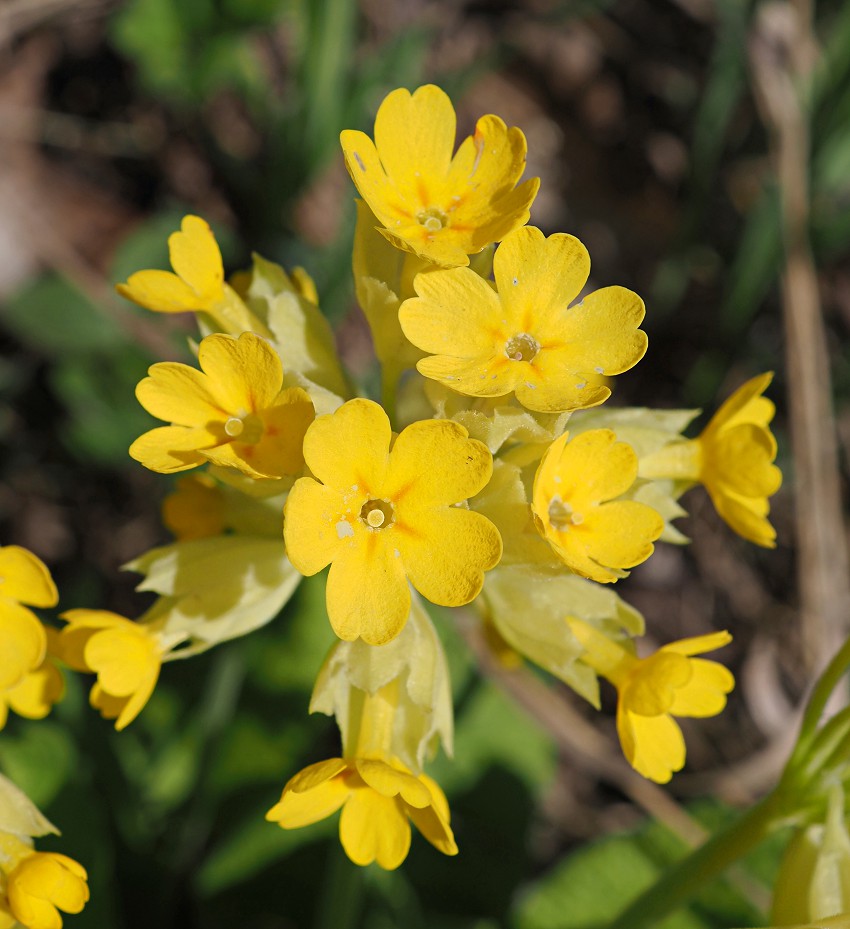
[377, 514]
[432, 218]
[522, 347]
[371, 722]
[681, 461]
[562, 516]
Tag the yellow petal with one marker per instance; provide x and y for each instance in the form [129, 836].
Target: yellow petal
[435, 828]
[653, 682]
[160, 291]
[315, 525]
[705, 693]
[23, 643]
[172, 448]
[279, 452]
[699, 644]
[34, 696]
[315, 774]
[350, 446]
[196, 258]
[559, 380]
[446, 552]
[620, 535]
[745, 405]
[374, 828]
[390, 782]
[303, 809]
[25, 578]
[123, 659]
[245, 374]
[745, 515]
[653, 745]
[741, 458]
[180, 394]
[367, 592]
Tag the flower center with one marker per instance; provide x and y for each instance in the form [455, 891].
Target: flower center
[377, 514]
[245, 427]
[522, 347]
[432, 219]
[562, 516]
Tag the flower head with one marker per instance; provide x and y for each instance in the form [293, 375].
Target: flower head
[43, 883]
[234, 412]
[651, 691]
[125, 656]
[382, 515]
[733, 459]
[441, 207]
[524, 337]
[575, 508]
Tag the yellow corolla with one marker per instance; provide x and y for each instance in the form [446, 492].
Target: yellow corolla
[651, 691]
[733, 459]
[125, 656]
[30, 683]
[524, 337]
[381, 516]
[39, 885]
[234, 412]
[378, 800]
[576, 510]
[439, 206]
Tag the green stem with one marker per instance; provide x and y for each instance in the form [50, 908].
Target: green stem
[817, 702]
[690, 875]
[341, 902]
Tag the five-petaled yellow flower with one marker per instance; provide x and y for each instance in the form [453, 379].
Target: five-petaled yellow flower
[30, 683]
[576, 510]
[384, 515]
[442, 207]
[733, 458]
[524, 337]
[125, 656]
[651, 691]
[378, 800]
[234, 412]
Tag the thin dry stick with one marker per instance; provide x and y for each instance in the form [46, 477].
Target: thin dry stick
[781, 55]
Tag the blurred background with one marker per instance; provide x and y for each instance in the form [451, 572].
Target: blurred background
[670, 139]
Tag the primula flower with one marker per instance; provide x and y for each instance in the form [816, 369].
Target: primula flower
[733, 459]
[651, 691]
[39, 886]
[29, 681]
[234, 412]
[378, 800]
[443, 208]
[575, 508]
[197, 283]
[382, 516]
[125, 656]
[524, 337]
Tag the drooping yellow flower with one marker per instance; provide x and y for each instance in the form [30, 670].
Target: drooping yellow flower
[234, 412]
[576, 510]
[651, 691]
[197, 283]
[29, 681]
[125, 656]
[524, 337]
[382, 516]
[41, 884]
[441, 207]
[733, 459]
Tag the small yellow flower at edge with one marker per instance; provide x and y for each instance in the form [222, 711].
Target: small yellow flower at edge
[442, 207]
[382, 516]
[234, 412]
[733, 459]
[126, 657]
[576, 510]
[524, 337]
[651, 691]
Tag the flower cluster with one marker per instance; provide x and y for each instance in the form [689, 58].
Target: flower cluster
[497, 476]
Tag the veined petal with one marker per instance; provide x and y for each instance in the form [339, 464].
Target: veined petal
[699, 644]
[122, 658]
[493, 375]
[196, 258]
[245, 374]
[446, 551]
[504, 214]
[538, 277]
[746, 515]
[705, 693]
[556, 382]
[295, 810]
[374, 828]
[653, 745]
[180, 394]
[435, 828]
[415, 132]
[172, 448]
[620, 534]
[350, 446]
[367, 593]
[315, 525]
[25, 578]
[316, 774]
[34, 696]
[160, 291]
[465, 465]
[380, 192]
[745, 405]
[23, 643]
[742, 457]
[390, 782]
[488, 163]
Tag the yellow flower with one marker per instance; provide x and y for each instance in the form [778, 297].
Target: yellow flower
[524, 337]
[733, 459]
[382, 516]
[234, 412]
[29, 682]
[651, 691]
[572, 487]
[195, 510]
[378, 801]
[40, 885]
[125, 656]
[197, 283]
[443, 208]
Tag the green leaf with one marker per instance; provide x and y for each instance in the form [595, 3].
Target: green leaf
[39, 761]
